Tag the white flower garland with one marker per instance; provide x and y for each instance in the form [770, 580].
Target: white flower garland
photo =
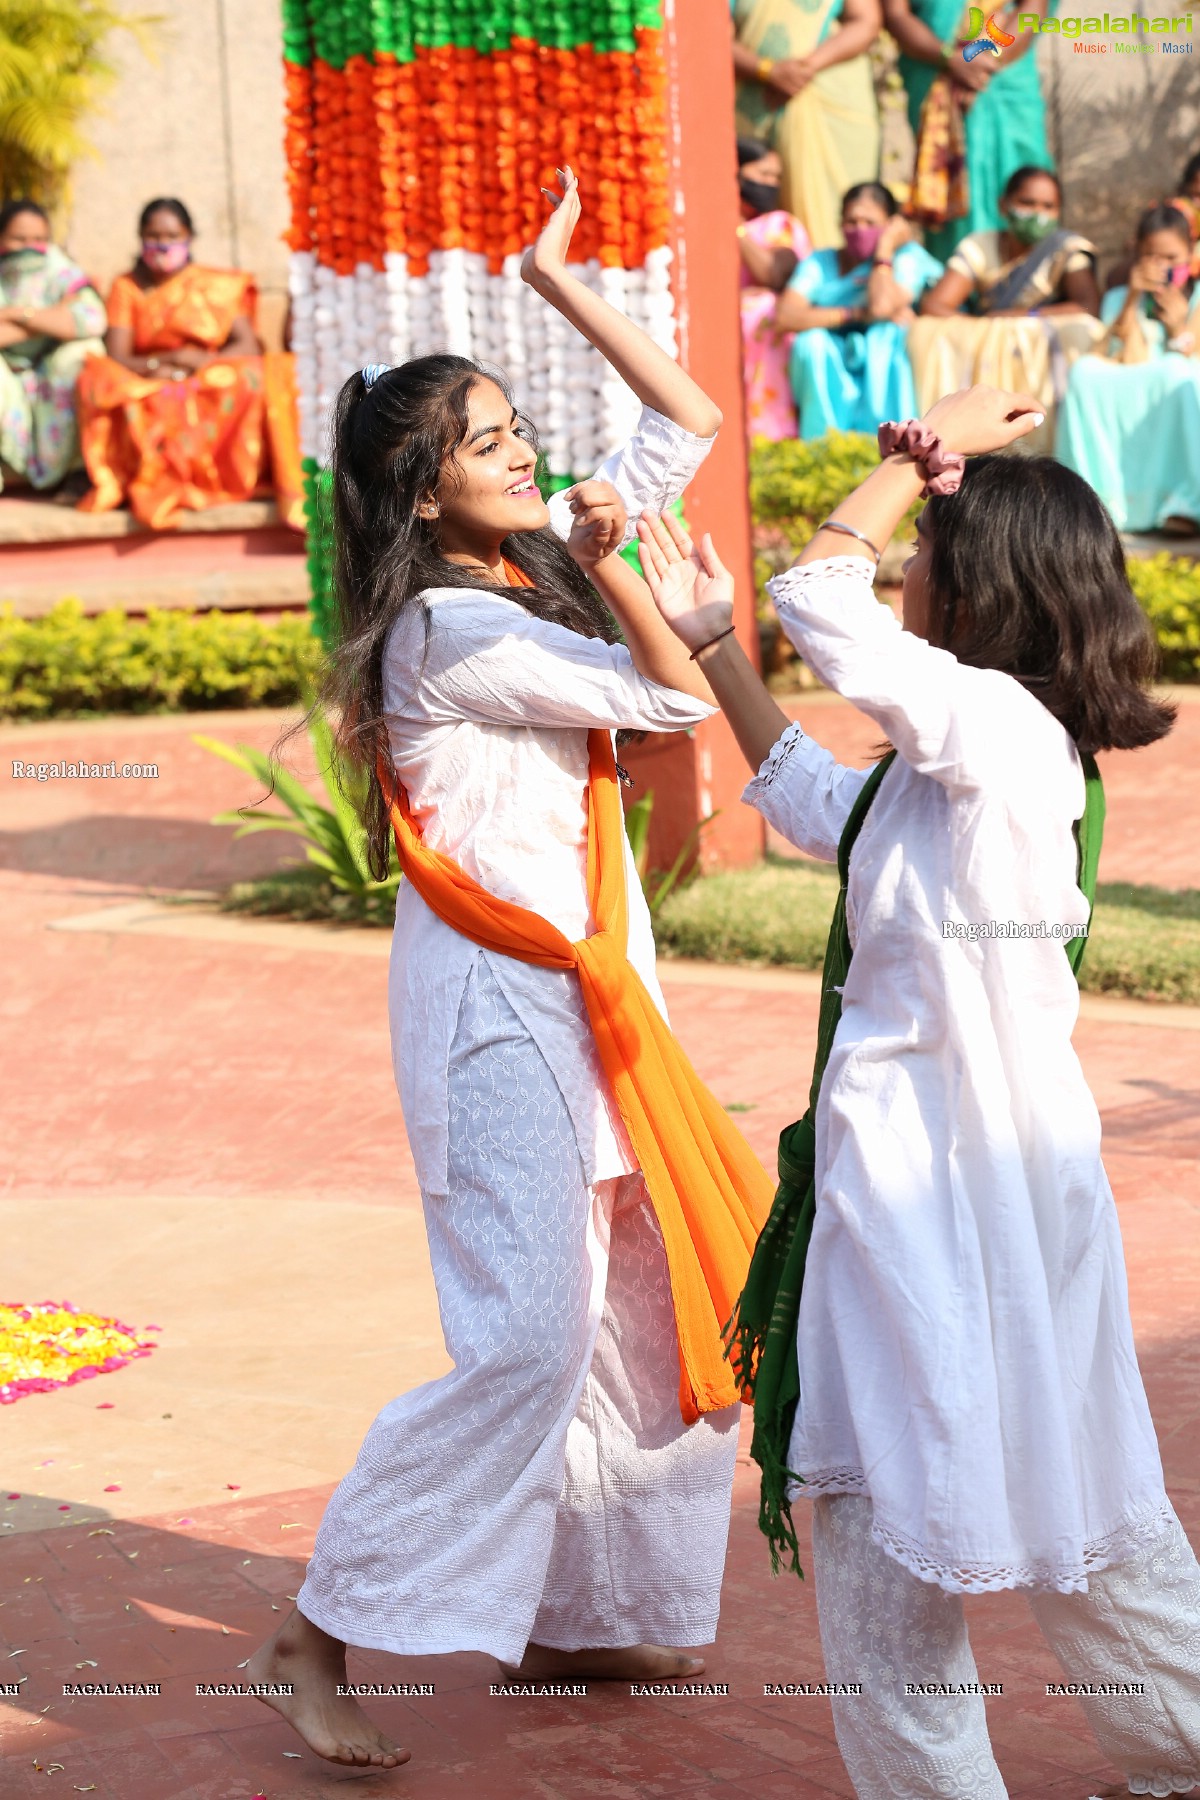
[581, 408]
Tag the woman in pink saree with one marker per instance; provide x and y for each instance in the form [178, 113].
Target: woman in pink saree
[771, 243]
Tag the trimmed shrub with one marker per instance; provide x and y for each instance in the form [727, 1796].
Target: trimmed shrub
[1168, 588]
[68, 663]
[796, 484]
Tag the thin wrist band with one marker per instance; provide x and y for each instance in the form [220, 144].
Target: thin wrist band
[836, 525]
[711, 642]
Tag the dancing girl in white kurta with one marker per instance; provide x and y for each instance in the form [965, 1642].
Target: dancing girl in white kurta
[545, 1502]
[971, 1415]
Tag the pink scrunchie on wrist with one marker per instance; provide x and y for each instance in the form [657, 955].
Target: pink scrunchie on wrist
[943, 469]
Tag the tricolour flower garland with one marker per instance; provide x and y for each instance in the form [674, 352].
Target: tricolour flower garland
[418, 133]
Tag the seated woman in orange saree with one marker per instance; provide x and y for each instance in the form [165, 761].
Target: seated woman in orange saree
[185, 411]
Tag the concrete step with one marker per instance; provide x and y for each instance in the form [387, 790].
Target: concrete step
[25, 520]
[1152, 543]
[245, 569]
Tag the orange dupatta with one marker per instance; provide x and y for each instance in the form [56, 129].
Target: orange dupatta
[709, 1191]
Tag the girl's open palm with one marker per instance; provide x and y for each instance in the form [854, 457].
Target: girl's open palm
[548, 256]
[691, 587]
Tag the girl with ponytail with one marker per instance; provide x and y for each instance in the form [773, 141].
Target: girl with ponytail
[560, 1500]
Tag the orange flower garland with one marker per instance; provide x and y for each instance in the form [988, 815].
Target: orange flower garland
[448, 151]
[417, 135]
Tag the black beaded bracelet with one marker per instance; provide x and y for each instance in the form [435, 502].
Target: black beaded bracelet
[711, 642]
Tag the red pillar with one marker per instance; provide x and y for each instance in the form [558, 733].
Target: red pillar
[695, 775]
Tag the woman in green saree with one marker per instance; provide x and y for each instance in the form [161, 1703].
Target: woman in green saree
[804, 86]
[974, 122]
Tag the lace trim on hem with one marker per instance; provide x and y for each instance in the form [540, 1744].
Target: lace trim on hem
[829, 1481]
[1163, 1782]
[823, 568]
[776, 757]
[1117, 1546]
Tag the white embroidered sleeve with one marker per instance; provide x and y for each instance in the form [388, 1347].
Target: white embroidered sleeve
[651, 470]
[805, 794]
[490, 661]
[967, 727]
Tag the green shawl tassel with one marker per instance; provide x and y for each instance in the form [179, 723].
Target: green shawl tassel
[760, 1338]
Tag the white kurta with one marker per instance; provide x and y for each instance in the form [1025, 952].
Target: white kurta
[488, 719]
[547, 1487]
[965, 1349]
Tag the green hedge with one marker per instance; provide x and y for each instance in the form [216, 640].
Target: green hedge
[795, 484]
[1169, 590]
[68, 663]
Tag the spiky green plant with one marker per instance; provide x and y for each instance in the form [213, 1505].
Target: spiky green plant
[333, 836]
[53, 69]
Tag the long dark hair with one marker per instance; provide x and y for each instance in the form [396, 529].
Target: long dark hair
[165, 203]
[1027, 575]
[871, 190]
[393, 447]
[1163, 217]
[12, 209]
[1020, 176]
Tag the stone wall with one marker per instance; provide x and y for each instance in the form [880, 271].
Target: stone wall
[200, 117]
[1120, 126]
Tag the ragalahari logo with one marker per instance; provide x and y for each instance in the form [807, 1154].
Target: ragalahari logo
[986, 35]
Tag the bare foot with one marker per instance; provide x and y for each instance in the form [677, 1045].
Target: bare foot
[640, 1662]
[331, 1724]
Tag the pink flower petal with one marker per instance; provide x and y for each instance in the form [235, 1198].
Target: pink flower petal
[105, 1405]
[13, 1496]
[64, 1509]
[185, 1521]
[112, 1489]
[234, 1486]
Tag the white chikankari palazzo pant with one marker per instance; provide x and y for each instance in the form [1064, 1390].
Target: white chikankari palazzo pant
[546, 1488]
[1138, 1623]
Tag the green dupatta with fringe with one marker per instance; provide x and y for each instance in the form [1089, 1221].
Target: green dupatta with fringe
[760, 1338]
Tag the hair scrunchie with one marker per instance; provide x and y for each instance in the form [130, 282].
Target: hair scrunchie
[942, 468]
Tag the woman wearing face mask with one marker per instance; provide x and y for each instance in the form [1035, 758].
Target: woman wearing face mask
[974, 122]
[185, 411]
[51, 321]
[850, 310]
[1032, 297]
[771, 243]
[1130, 422]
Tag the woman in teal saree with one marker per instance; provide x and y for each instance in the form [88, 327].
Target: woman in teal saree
[1130, 421]
[976, 121]
[850, 310]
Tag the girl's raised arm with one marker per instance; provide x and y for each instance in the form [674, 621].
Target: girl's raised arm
[655, 377]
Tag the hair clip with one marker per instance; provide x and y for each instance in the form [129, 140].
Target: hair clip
[372, 372]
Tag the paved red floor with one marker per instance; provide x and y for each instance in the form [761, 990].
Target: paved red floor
[151, 1064]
